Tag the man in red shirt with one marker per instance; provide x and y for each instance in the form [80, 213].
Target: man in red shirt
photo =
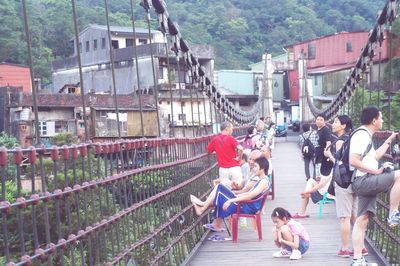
[229, 153]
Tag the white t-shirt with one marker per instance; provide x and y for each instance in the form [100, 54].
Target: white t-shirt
[358, 144]
[271, 137]
[270, 167]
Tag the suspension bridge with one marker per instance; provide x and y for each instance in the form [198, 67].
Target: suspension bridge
[122, 201]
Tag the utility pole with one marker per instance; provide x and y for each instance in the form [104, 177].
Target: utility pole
[267, 104]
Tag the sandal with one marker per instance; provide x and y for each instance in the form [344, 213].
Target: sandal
[300, 216]
[213, 228]
[218, 238]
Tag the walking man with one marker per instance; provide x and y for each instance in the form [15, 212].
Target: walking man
[308, 153]
[229, 153]
[370, 179]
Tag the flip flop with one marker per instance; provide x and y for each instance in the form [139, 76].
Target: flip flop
[213, 228]
[300, 216]
[218, 238]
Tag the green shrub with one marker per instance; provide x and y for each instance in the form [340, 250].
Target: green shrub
[64, 138]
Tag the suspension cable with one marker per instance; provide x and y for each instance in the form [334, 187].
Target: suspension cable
[30, 62]
[78, 56]
[222, 103]
[172, 125]
[390, 87]
[139, 91]
[376, 35]
[111, 50]
[155, 91]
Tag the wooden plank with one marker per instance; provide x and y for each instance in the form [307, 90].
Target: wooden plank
[289, 182]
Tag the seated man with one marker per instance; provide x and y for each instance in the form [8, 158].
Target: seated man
[315, 189]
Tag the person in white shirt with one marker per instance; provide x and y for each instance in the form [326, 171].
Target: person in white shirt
[370, 179]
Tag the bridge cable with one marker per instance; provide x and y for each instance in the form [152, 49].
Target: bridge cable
[139, 90]
[376, 35]
[172, 125]
[78, 56]
[30, 62]
[219, 100]
[155, 91]
[390, 87]
[111, 50]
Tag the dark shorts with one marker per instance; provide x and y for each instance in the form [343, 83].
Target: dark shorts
[316, 196]
[367, 187]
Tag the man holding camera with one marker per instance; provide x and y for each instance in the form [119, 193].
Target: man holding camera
[369, 179]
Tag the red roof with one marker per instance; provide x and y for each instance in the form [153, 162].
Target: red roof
[16, 76]
[327, 69]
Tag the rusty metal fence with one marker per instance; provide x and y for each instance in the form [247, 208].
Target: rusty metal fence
[122, 203]
[384, 239]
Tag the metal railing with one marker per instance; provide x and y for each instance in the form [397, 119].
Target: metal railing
[384, 239]
[108, 203]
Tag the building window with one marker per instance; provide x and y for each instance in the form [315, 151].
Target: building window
[182, 116]
[103, 43]
[142, 41]
[311, 51]
[43, 128]
[114, 44]
[87, 46]
[58, 126]
[160, 73]
[80, 47]
[128, 42]
[94, 45]
[349, 47]
[316, 80]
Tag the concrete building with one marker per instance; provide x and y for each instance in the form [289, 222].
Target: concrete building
[64, 113]
[242, 86]
[97, 75]
[329, 60]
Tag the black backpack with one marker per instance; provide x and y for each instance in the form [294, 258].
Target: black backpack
[308, 149]
[342, 174]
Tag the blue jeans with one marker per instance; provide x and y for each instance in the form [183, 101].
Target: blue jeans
[303, 246]
[307, 162]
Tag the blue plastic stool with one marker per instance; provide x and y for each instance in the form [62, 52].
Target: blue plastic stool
[324, 200]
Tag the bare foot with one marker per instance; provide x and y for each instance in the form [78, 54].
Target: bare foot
[197, 209]
[196, 200]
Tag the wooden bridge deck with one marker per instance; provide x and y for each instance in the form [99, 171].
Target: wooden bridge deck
[289, 182]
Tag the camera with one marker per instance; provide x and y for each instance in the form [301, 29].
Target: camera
[388, 167]
[395, 150]
[395, 147]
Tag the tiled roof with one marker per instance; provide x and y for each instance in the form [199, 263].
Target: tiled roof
[74, 100]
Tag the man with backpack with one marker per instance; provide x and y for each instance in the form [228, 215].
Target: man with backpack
[308, 140]
[369, 179]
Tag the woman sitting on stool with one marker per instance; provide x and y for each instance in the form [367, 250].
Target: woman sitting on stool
[224, 200]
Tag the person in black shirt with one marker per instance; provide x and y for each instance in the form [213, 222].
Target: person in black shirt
[323, 165]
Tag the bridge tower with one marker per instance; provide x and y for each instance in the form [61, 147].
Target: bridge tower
[267, 103]
[305, 90]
